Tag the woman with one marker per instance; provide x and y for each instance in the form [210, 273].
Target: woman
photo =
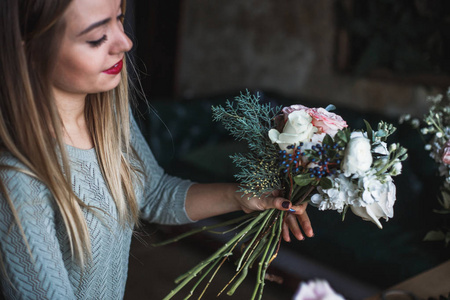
[75, 172]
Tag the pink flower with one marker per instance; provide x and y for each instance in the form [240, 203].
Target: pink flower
[326, 122]
[446, 154]
[316, 290]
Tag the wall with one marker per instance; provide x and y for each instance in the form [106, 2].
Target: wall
[283, 46]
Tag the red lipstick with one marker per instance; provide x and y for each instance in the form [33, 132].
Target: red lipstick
[114, 70]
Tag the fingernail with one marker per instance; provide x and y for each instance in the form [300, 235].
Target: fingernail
[291, 210]
[285, 204]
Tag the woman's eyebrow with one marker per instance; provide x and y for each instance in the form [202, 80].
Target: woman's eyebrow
[94, 25]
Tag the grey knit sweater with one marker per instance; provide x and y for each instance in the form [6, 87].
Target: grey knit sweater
[51, 273]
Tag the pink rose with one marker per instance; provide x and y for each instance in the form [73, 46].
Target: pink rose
[446, 154]
[326, 122]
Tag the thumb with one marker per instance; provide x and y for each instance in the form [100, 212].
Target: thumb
[279, 203]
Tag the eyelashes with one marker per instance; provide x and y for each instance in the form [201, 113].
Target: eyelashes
[99, 42]
[104, 38]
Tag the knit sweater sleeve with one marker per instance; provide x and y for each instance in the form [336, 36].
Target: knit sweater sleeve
[163, 199]
[37, 271]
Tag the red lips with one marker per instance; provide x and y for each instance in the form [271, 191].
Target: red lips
[114, 70]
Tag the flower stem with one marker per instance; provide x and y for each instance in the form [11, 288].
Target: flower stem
[201, 279]
[308, 191]
[204, 228]
[263, 224]
[388, 165]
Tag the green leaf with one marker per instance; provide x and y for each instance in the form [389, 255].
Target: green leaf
[369, 131]
[342, 136]
[303, 179]
[326, 183]
[344, 212]
[328, 140]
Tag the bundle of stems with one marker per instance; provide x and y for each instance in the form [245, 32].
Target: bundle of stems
[259, 236]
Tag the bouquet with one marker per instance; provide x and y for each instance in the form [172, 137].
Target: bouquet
[435, 128]
[309, 154]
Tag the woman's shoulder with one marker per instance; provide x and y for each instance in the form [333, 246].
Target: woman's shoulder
[17, 180]
[11, 165]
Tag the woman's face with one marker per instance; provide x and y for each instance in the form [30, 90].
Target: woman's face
[92, 49]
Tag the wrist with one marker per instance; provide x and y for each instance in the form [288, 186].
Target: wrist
[236, 197]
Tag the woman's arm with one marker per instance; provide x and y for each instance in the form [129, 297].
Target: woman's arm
[33, 269]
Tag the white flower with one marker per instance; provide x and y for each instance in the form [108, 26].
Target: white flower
[357, 156]
[316, 290]
[381, 149]
[298, 128]
[383, 197]
[342, 193]
[396, 169]
[392, 147]
[371, 188]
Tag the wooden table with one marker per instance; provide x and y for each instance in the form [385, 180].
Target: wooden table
[431, 283]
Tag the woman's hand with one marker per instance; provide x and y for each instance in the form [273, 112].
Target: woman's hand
[296, 219]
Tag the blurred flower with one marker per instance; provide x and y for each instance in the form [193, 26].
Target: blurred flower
[316, 290]
[446, 153]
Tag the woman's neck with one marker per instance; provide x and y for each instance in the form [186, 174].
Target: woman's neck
[75, 129]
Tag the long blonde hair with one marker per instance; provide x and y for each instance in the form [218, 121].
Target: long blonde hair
[30, 35]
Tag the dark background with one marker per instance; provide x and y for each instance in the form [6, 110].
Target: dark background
[373, 59]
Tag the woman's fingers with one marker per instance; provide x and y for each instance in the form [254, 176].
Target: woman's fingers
[299, 209]
[298, 223]
[305, 223]
[296, 220]
[268, 201]
[285, 233]
[292, 223]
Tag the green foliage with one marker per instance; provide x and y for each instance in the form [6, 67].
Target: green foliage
[384, 131]
[326, 183]
[303, 179]
[248, 120]
[342, 137]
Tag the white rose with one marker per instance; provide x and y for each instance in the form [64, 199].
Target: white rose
[382, 208]
[298, 128]
[357, 156]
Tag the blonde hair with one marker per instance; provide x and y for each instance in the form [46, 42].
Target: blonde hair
[30, 35]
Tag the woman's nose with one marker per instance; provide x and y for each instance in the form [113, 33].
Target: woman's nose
[122, 42]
